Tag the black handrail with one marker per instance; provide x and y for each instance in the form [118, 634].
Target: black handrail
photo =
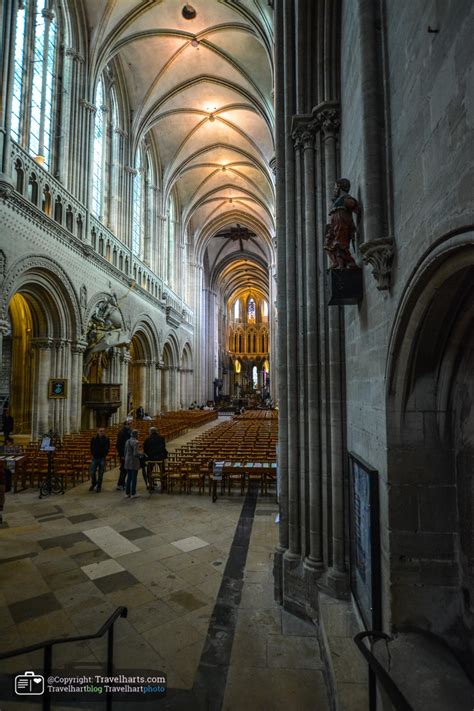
[108, 627]
[377, 670]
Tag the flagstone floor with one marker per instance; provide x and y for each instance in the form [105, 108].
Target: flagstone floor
[195, 576]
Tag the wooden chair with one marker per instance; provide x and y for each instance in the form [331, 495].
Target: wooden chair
[156, 473]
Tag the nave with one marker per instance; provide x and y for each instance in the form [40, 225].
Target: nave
[69, 561]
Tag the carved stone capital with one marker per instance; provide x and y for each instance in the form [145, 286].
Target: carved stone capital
[6, 189]
[129, 169]
[304, 133]
[42, 344]
[78, 347]
[74, 54]
[120, 132]
[379, 254]
[330, 121]
[88, 106]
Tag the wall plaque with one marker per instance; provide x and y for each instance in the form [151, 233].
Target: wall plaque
[365, 541]
[57, 388]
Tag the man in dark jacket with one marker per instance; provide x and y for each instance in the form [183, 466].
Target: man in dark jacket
[100, 446]
[155, 450]
[123, 435]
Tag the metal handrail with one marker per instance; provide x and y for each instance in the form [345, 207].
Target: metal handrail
[108, 627]
[376, 669]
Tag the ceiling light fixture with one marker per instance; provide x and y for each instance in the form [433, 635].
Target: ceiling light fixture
[188, 12]
[212, 117]
[194, 42]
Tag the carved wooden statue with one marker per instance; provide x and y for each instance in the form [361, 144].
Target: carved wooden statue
[341, 229]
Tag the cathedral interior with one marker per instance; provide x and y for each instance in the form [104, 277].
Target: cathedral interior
[248, 224]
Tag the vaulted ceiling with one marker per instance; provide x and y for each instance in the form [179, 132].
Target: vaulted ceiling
[203, 88]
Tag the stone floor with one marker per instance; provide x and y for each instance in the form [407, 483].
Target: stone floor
[196, 579]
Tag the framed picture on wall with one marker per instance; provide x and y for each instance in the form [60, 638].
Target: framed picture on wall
[364, 527]
[57, 387]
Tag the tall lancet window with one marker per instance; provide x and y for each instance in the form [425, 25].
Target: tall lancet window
[137, 206]
[18, 72]
[33, 105]
[251, 311]
[171, 241]
[98, 153]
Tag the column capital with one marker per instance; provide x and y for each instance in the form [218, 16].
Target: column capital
[304, 130]
[74, 54]
[78, 347]
[88, 106]
[41, 343]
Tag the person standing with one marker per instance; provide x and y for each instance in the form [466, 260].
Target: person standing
[155, 450]
[7, 424]
[122, 437]
[100, 445]
[132, 463]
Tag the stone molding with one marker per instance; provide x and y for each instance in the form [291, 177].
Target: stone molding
[379, 254]
[4, 326]
[23, 265]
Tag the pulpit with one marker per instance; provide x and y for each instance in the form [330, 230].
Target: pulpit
[104, 398]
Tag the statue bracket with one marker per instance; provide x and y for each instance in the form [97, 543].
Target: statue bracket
[379, 254]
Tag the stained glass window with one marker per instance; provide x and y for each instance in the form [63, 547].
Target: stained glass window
[33, 93]
[98, 153]
[137, 206]
[18, 72]
[237, 310]
[251, 311]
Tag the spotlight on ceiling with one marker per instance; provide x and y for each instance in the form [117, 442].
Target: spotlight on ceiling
[188, 12]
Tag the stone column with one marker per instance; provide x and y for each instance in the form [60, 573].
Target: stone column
[125, 359]
[330, 125]
[85, 155]
[280, 150]
[75, 390]
[68, 159]
[314, 559]
[8, 26]
[290, 329]
[300, 394]
[159, 392]
[42, 420]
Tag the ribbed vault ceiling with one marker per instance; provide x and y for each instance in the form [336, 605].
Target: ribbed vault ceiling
[203, 89]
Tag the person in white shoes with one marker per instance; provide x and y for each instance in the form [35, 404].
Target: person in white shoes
[132, 464]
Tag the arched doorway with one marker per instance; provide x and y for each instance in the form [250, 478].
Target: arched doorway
[186, 374]
[42, 346]
[430, 416]
[19, 355]
[168, 389]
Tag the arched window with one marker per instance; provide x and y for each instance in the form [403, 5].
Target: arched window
[98, 153]
[237, 310]
[264, 310]
[137, 206]
[251, 310]
[33, 108]
[171, 241]
[113, 162]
